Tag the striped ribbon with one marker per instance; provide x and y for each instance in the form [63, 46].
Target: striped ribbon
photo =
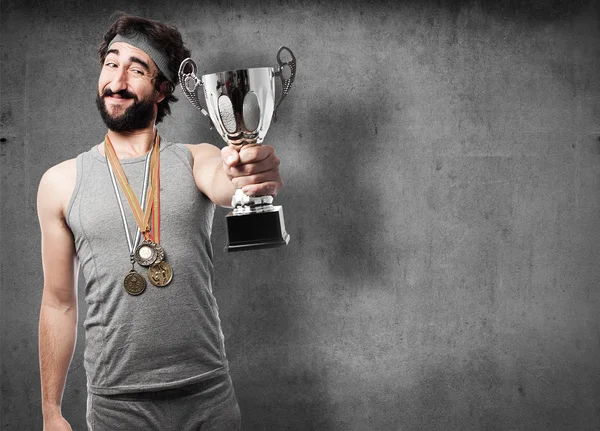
[142, 217]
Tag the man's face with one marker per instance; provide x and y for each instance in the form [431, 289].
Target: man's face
[126, 97]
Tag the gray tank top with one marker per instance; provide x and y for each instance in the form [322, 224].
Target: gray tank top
[168, 336]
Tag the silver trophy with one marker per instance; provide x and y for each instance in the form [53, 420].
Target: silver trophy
[241, 105]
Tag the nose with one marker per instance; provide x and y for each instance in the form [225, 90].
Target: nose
[119, 80]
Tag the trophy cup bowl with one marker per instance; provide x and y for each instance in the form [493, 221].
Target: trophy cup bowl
[241, 105]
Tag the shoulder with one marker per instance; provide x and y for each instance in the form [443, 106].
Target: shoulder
[203, 150]
[61, 174]
[57, 185]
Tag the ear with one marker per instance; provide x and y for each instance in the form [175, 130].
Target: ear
[165, 89]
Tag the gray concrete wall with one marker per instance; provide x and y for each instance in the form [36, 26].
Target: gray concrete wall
[442, 169]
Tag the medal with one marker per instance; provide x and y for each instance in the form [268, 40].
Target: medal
[149, 253]
[134, 283]
[160, 274]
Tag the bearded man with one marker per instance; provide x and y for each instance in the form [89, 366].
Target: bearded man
[134, 213]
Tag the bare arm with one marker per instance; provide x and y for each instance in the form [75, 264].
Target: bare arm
[209, 174]
[58, 312]
[218, 173]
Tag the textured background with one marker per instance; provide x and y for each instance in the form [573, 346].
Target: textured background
[442, 169]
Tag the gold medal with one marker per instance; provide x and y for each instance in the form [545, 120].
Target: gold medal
[134, 283]
[160, 274]
[160, 253]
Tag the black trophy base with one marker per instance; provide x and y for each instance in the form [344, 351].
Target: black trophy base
[256, 230]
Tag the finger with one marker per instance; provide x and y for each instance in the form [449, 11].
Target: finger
[230, 156]
[263, 189]
[255, 153]
[269, 164]
[240, 182]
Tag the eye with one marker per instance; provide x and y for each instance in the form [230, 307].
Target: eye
[110, 64]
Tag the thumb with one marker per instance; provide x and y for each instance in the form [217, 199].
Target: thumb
[230, 156]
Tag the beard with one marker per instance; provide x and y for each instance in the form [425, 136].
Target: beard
[137, 116]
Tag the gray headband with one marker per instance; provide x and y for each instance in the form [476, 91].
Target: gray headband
[141, 42]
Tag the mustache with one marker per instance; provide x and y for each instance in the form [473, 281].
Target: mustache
[122, 93]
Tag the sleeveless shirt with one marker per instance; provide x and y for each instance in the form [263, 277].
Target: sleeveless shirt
[166, 337]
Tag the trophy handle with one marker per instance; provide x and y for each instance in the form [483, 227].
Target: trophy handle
[286, 83]
[189, 81]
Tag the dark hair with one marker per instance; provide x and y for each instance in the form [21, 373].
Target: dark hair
[161, 36]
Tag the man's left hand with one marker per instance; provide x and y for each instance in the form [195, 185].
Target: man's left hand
[254, 169]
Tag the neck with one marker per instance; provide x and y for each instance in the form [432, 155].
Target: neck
[131, 144]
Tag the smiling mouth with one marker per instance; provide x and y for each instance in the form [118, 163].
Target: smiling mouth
[116, 99]
[119, 95]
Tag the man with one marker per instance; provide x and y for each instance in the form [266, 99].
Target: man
[154, 355]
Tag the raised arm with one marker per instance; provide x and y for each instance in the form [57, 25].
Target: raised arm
[58, 312]
[254, 169]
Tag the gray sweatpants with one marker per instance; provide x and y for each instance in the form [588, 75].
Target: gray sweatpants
[205, 406]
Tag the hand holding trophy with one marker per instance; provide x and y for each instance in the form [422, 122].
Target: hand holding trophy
[241, 104]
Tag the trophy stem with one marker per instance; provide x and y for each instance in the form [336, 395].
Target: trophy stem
[251, 209]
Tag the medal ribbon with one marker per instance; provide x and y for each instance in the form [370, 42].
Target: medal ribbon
[155, 175]
[142, 218]
[144, 193]
[155, 179]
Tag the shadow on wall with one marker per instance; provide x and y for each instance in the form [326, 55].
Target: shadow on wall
[346, 221]
[277, 372]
